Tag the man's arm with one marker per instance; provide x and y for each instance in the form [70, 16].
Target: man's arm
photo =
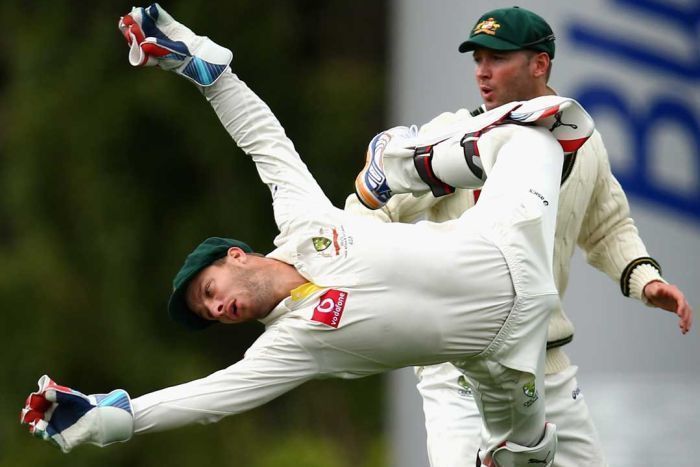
[156, 39]
[612, 243]
[274, 365]
[256, 130]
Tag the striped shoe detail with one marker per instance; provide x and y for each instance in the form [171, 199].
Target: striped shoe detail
[371, 185]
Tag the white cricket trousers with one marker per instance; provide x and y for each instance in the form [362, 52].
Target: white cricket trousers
[453, 422]
[518, 205]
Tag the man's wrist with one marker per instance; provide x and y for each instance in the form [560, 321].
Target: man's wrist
[641, 276]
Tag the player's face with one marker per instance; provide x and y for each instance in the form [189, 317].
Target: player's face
[231, 291]
[504, 77]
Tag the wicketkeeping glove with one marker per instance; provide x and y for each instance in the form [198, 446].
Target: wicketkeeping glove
[156, 39]
[68, 418]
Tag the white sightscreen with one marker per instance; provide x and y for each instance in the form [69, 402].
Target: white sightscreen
[635, 65]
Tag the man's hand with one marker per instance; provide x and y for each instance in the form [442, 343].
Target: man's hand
[670, 298]
[156, 39]
[68, 418]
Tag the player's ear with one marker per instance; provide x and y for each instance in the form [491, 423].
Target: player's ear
[236, 253]
[539, 64]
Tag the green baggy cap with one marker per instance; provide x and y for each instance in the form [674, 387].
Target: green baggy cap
[206, 253]
[511, 29]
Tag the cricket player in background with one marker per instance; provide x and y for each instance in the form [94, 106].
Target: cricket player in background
[513, 49]
[342, 296]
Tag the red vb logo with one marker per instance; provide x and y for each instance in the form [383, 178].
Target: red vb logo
[330, 309]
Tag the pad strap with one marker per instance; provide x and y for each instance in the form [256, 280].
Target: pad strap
[423, 161]
[471, 154]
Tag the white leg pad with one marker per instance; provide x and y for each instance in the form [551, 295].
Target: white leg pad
[459, 166]
[515, 455]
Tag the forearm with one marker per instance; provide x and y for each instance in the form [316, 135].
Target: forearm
[609, 235]
[231, 391]
[256, 130]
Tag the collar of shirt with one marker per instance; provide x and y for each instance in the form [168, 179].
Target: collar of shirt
[286, 305]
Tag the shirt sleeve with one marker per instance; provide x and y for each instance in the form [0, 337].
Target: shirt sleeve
[274, 365]
[608, 234]
[256, 130]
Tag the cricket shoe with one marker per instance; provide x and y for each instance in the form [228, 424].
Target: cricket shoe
[156, 39]
[371, 184]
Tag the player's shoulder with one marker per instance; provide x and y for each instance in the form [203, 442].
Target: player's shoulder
[594, 147]
[589, 163]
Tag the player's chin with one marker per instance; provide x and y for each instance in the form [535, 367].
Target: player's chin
[490, 101]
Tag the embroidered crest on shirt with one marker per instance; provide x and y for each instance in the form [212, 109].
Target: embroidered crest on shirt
[330, 308]
[332, 241]
[321, 243]
[530, 392]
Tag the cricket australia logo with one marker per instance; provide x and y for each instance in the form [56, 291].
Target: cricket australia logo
[321, 243]
[530, 392]
[465, 388]
[331, 242]
[489, 26]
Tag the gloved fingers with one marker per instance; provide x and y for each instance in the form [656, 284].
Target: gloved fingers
[160, 47]
[34, 409]
[137, 57]
[39, 429]
[38, 407]
[143, 49]
[167, 54]
[53, 398]
[42, 430]
[131, 30]
[152, 20]
[54, 392]
[35, 414]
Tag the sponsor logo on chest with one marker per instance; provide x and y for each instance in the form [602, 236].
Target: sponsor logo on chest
[330, 308]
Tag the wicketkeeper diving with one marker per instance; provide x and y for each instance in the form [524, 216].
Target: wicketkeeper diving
[342, 296]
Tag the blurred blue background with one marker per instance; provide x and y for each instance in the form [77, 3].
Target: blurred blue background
[635, 66]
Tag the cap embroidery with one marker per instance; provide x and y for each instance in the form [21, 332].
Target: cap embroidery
[488, 26]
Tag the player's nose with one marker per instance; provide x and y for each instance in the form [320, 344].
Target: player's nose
[216, 308]
[482, 71]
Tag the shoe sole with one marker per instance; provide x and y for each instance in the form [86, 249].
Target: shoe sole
[365, 194]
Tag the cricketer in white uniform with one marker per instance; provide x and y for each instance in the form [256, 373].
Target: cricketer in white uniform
[594, 214]
[368, 296]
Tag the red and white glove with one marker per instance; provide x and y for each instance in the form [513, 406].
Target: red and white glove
[68, 418]
[156, 39]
